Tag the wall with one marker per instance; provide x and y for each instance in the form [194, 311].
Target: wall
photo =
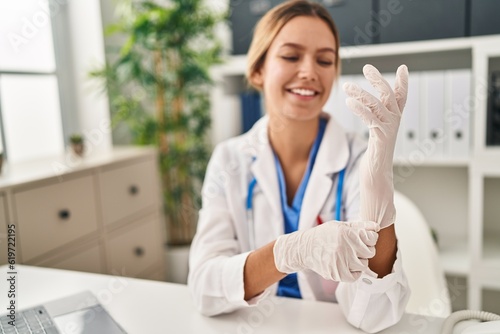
[80, 49]
[88, 53]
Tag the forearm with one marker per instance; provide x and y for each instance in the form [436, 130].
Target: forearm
[377, 204]
[377, 194]
[382, 211]
[386, 249]
[260, 271]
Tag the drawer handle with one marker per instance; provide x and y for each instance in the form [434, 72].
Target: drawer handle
[64, 214]
[139, 251]
[134, 190]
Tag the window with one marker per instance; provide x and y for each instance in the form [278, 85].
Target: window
[30, 112]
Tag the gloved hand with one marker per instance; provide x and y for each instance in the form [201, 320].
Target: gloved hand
[382, 116]
[335, 250]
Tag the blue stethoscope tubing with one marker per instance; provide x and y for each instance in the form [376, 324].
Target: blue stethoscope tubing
[251, 186]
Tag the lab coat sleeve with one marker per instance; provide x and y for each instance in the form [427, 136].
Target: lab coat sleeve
[371, 304]
[216, 264]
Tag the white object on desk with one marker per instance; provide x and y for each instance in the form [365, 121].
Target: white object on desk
[491, 327]
[142, 306]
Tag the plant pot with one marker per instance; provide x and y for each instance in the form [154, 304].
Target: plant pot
[78, 148]
[177, 258]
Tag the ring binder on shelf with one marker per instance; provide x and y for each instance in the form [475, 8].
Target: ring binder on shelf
[410, 134]
[337, 106]
[457, 116]
[433, 111]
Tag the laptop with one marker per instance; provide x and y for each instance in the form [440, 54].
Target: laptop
[77, 314]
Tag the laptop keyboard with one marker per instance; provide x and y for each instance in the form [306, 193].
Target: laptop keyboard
[31, 321]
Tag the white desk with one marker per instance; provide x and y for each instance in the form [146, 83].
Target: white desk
[142, 306]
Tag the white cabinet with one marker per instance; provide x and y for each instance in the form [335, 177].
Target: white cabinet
[3, 231]
[100, 214]
[3, 215]
[457, 190]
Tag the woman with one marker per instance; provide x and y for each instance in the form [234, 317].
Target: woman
[294, 207]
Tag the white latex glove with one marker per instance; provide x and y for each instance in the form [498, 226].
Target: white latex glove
[382, 116]
[335, 250]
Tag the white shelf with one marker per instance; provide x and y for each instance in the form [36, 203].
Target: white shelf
[60, 165]
[236, 65]
[449, 162]
[380, 50]
[489, 167]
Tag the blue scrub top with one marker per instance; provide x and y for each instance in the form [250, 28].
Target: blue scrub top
[289, 286]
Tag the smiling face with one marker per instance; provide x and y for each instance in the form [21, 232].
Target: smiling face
[299, 69]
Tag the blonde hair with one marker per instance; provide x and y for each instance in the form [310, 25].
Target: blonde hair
[270, 25]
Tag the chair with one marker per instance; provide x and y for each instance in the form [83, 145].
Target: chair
[429, 291]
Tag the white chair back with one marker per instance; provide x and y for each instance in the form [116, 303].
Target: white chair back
[429, 291]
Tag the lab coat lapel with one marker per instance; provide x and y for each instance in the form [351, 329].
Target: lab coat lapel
[332, 157]
[264, 170]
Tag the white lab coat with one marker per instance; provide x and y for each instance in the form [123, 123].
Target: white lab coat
[221, 245]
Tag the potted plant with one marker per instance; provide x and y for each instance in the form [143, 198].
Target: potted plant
[77, 144]
[158, 86]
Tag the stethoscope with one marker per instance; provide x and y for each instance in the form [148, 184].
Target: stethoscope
[251, 186]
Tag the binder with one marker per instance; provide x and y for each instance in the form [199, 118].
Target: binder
[434, 138]
[399, 152]
[362, 82]
[458, 113]
[409, 131]
[337, 106]
[367, 86]
[251, 109]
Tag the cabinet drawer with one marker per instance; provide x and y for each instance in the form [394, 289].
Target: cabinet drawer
[3, 249]
[154, 276]
[3, 232]
[54, 215]
[87, 259]
[3, 215]
[127, 190]
[135, 250]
